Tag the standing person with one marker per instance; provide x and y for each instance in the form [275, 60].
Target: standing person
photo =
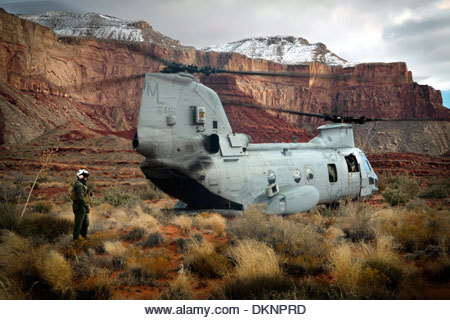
[80, 204]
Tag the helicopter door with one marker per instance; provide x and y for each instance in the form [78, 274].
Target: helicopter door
[354, 176]
[233, 174]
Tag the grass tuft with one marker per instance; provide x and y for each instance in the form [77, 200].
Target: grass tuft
[203, 260]
[42, 207]
[214, 221]
[180, 289]
[154, 239]
[184, 222]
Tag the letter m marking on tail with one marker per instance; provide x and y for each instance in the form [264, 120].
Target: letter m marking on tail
[153, 91]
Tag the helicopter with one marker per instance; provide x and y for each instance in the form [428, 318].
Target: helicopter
[192, 153]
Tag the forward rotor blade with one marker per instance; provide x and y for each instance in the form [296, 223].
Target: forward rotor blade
[100, 83]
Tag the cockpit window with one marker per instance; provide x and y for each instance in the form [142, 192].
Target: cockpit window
[366, 163]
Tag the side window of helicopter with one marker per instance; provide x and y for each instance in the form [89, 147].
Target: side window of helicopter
[332, 173]
[309, 175]
[297, 175]
[352, 163]
[215, 124]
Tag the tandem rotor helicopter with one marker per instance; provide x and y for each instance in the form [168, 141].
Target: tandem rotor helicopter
[192, 154]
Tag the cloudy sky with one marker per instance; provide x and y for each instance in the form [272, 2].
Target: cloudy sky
[414, 31]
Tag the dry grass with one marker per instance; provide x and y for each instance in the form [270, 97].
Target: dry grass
[356, 221]
[417, 229]
[252, 225]
[255, 259]
[213, 221]
[100, 286]
[346, 265]
[145, 268]
[106, 217]
[115, 248]
[180, 289]
[39, 273]
[14, 253]
[203, 260]
[154, 238]
[399, 189]
[58, 273]
[184, 222]
[373, 271]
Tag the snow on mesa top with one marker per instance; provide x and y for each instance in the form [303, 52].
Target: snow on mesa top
[285, 50]
[98, 26]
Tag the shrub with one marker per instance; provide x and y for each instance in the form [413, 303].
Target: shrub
[255, 259]
[279, 288]
[304, 265]
[42, 207]
[40, 273]
[214, 221]
[57, 272]
[98, 287]
[115, 248]
[153, 239]
[297, 239]
[252, 225]
[437, 190]
[95, 242]
[135, 234]
[45, 226]
[13, 194]
[439, 271]
[395, 197]
[9, 290]
[182, 244]
[10, 217]
[346, 266]
[416, 230]
[202, 260]
[355, 221]
[119, 198]
[399, 189]
[145, 269]
[180, 289]
[380, 279]
[184, 222]
[263, 287]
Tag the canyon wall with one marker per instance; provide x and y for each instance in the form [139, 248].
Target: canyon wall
[48, 80]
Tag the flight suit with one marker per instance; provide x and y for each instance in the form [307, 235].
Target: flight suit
[80, 208]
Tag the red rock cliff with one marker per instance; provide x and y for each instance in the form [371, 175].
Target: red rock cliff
[86, 79]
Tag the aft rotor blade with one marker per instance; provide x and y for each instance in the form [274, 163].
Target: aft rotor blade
[334, 118]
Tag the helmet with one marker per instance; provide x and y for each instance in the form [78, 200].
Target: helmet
[82, 173]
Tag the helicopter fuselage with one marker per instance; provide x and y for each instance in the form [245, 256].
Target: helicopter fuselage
[192, 154]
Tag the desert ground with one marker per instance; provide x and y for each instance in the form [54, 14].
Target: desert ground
[394, 245]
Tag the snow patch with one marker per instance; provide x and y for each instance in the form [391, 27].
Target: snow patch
[88, 25]
[281, 49]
